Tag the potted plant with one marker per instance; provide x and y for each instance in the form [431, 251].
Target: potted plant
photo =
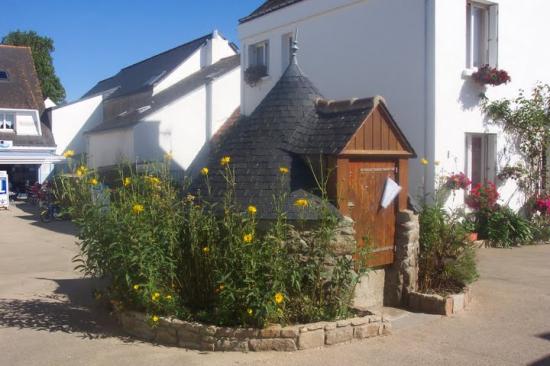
[487, 75]
[457, 181]
[253, 74]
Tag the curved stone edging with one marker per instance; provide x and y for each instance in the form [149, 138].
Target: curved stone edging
[204, 337]
[437, 304]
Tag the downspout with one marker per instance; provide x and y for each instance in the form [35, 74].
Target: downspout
[429, 92]
[209, 107]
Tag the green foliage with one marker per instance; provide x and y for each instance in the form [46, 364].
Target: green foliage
[527, 119]
[446, 261]
[192, 258]
[41, 47]
[505, 228]
[540, 227]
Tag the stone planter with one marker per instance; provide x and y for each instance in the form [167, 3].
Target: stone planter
[436, 304]
[193, 335]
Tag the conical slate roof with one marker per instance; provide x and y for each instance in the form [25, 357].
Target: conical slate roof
[287, 125]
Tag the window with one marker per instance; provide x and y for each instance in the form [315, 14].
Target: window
[481, 154]
[258, 54]
[482, 34]
[7, 121]
[287, 43]
[3, 75]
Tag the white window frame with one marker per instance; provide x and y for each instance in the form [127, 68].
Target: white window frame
[489, 156]
[488, 44]
[3, 122]
[253, 50]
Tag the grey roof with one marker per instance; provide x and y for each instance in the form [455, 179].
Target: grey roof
[268, 7]
[137, 108]
[145, 74]
[287, 125]
[22, 89]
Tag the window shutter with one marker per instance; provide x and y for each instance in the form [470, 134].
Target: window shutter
[493, 35]
[251, 55]
[491, 157]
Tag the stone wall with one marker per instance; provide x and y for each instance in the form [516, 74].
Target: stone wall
[193, 335]
[402, 275]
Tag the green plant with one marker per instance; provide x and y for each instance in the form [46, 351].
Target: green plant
[446, 261]
[505, 228]
[187, 256]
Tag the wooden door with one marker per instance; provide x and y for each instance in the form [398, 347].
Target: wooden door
[373, 223]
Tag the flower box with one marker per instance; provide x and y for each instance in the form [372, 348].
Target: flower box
[255, 73]
[487, 75]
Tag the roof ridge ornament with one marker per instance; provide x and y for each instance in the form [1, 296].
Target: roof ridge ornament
[294, 49]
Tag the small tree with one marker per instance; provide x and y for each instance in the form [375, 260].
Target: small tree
[41, 47]
[527, 119]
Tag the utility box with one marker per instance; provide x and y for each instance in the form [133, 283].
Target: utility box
[4, 190]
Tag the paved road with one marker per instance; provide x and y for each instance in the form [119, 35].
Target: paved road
[47, 316]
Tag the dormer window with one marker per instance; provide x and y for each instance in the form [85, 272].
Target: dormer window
[3, 75]
[7, 122]
[258, 55]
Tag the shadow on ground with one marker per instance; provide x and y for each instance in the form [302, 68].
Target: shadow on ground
[32, 211]
[70, 309]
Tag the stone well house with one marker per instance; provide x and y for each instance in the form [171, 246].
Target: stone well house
[169, 103]
[27, 146]
[419, 55]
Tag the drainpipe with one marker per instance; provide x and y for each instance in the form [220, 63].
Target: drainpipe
[209, 107]
[429, 92]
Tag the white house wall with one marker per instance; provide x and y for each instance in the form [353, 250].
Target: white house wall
[70, 121]
[523, 29]
[226, 97]
[351, 48]
[110, 148]
[179, 128]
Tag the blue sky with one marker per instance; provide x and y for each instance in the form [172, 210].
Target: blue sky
[96, 38]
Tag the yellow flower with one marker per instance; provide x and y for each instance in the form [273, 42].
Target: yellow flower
[204, 171]
[221, 287]
[252, 210]
[205, 250]
[127, 181]
[225, 160]
[279, 297]
[247, 238]
[283, 170]
[155, 319]
[168, 156]
[153, 180]
[190, 198]
[136, 287]
[68, 154]
[424, 161]
[155, 296]
[249, 311]
[82, 170]
[137, 208]
[302, 202]
[94, 182]
[168, 297]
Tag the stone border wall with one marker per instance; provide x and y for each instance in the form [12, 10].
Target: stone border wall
[193, 335]
[437, 304]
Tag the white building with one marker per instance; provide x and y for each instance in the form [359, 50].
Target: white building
[169, 103]
[27, 147]
[419, 55]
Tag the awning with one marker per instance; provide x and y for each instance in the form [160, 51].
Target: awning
[29, 157]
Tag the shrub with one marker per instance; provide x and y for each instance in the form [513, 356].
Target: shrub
[506, 228]
[185, 256]
[447, 262]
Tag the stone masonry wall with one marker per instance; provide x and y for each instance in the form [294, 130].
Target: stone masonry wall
[193, 335]
[402, 275]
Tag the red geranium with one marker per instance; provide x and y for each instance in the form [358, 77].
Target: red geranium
[457, 181]
[483, 196]
[488, 75]
[542, 204]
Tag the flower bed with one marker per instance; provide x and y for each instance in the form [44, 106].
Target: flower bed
[193, 335]
[437, 304]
